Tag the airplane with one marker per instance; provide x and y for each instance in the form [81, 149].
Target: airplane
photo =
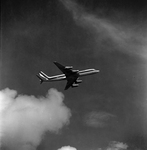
[72, 76]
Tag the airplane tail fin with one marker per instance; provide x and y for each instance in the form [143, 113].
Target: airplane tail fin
[42, 77]
[41, 80]
[41, 73]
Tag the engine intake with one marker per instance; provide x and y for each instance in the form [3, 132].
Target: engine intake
[68, 67]
[75, 71]
[78, 81]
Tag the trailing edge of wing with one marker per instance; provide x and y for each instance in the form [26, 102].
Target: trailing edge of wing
[68, 85]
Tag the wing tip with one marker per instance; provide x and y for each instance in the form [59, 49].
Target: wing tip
[55, 62]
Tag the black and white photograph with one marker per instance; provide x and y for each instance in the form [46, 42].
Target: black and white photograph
[73, 75]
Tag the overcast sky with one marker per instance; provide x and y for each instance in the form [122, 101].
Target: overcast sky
[109, 108]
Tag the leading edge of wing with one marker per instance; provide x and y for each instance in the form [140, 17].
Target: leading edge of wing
[61, 67]
[65, 70]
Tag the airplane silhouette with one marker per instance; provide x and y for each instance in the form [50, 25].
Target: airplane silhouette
[72, 76]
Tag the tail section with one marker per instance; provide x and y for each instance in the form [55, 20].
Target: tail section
[42, 77]
[41, 80]
[41, 73]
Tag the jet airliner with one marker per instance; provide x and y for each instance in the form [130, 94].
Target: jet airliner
[69, 74]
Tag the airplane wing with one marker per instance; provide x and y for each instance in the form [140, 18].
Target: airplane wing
[70, 82]
[71, 75]
[68, 85]
[66, 70]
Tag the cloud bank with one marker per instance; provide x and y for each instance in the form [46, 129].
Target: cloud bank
[25, 119]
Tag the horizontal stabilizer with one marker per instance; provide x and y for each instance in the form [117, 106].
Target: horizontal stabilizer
[41, 80]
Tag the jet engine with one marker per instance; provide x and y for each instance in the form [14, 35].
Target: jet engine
[68, 67]
[78, 81]
[75, 71]
[75, 85]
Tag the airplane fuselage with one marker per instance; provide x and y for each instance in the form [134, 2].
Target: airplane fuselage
[88, 72]
[63, 77]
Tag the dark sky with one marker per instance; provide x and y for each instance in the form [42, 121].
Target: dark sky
[106, 35]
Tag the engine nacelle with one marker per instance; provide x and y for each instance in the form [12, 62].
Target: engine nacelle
[78, 81]
[75, 85]
[75, 71]
[68, 67]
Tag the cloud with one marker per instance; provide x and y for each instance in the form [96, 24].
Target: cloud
[126, 36]
[25, 119]
[98, 119]
[112, 146]
[67, 148]
[117, 146]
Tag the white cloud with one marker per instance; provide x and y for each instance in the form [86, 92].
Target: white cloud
[98, 119]
[112, 146]
[117, 146]
[25, 119]
[67, 148]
